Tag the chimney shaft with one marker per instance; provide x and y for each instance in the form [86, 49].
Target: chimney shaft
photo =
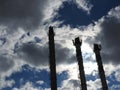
[52, 59]
[97, 49]
[77, 43]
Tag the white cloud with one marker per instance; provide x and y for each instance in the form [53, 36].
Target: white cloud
[94, 85]
[117, 75]
[27, 86]
[30, 86]
[91, 68]
[70, 84]
[51, 9]
[6, 83]
[40, 82]
[110, 68]
[115, 12]
[73, 81]
[84, 4]
[66, 34]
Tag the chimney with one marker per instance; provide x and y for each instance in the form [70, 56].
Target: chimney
[52, 59]
[97, 49]
[77, 43]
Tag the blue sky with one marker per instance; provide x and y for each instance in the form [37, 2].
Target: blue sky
[24, 42]
[74, 16]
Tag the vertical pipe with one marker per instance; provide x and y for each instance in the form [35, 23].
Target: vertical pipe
[97, 49]
[52, 59]
[77, 43]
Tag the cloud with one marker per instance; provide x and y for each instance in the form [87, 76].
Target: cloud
[6, 63]
[117, 76]
[94, 85]
[84, 4]
[64, 55]
[109, 36]
[52, 10]
[70, 84]
[36, 55]
[110, 68]
[27, 86]
[33, 54]
[27, 14]
[115, 87]
[40, 82]
[6, 83]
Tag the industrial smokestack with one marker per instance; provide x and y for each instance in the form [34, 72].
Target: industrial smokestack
[97, 49]
[52, 59]
[77, 43]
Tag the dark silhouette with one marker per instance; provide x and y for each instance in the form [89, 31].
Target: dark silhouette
[77, 43]
[97, 49]
[52, 59]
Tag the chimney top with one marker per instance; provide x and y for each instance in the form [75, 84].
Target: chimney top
[51, 31]
[77, 41]
[51, 28]
[97, 47]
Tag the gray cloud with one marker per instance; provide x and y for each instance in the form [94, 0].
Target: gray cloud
[6, 63]
[76, 83]
[39, 55]
[64, 55]
[110, 35]
[70, 84]
[110, 40]
[33, 54]
[21, 13]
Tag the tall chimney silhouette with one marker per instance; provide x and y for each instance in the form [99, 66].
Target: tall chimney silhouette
[97, 49]
[77, 43]
[52, 59]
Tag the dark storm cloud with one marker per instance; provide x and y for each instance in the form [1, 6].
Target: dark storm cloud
[21, 13]
[64, 55]
[110, 40]
[33, 54]
[5, 63]
[39, 55]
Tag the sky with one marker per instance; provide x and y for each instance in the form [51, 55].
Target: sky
[24, 25]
